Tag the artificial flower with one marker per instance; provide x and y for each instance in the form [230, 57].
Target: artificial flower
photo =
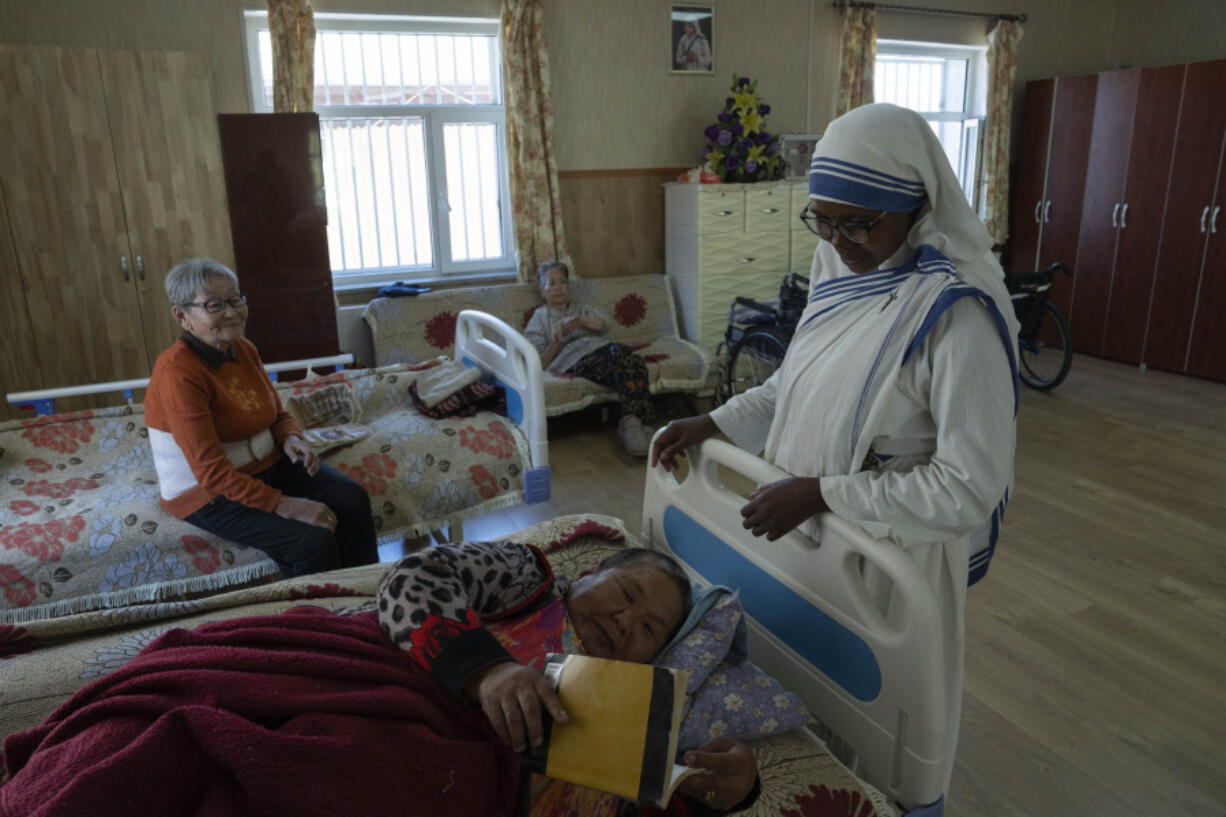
[738, 147]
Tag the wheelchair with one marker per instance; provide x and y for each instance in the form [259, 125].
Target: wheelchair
[758, 335]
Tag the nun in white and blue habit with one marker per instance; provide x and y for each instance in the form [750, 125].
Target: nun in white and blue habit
[899, 389]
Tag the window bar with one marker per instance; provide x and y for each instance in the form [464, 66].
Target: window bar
[353, 168]
[438, 75]
[466, 130]
[421, 91]
[472, 64]
[408, 172]
[404, 85]
[323, 69]
[371, 124]
[344, 69]
[482, 175]
[336, 186]
[459, 134]
[391, 181]
[383, 66]
[362, 57]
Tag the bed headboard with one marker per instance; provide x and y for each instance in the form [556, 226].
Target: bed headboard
[812, 625]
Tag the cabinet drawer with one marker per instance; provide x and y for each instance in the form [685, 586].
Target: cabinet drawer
[721, 211]
[743, 253]
[800, 200]
[767, 210]
[804, 244]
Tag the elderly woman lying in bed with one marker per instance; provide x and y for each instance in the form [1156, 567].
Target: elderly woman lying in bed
[310, 712]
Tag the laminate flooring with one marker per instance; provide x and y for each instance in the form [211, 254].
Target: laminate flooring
[1096, 645]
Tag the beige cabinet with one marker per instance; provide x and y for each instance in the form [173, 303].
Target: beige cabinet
[111, 172]
[724, 241]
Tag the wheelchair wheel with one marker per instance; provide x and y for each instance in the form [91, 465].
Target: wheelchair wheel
[1045, 352]
[753, 359]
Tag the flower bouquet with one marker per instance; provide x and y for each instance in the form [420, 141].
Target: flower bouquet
[739, 149]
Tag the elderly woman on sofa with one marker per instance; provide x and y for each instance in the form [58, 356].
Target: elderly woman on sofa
[229, 459]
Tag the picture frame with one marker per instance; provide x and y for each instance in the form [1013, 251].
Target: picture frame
[691, 39]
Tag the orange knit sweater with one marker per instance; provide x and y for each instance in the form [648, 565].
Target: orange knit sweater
[202, 407]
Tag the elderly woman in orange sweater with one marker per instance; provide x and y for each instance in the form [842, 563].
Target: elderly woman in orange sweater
[229, 459]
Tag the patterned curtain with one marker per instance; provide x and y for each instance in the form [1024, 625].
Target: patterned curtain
[1002, 66]
[859, 58]
[536, 202]
[292, 23]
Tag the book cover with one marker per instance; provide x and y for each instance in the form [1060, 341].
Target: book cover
[622, 734]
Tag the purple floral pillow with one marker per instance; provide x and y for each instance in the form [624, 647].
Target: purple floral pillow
[722, 698]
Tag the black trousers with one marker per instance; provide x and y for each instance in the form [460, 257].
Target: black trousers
[296, 547]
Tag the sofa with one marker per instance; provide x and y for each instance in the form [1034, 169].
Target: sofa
[81, 526]
[642, 315]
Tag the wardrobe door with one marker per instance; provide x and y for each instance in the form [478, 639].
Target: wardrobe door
[19, 370]
[1145, 191]
[279, 221]
[1114, 106]
[1198, 148]
[169, 159]
[66, 217]
[1028, 186]
[1207, 346]
[1069, 156]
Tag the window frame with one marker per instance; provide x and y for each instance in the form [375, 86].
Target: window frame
[434, 119]
[974, 103]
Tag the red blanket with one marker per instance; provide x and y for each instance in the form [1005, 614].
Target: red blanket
[298, 714]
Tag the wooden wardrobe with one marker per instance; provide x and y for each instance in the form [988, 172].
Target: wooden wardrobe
[110, 173]
[1120, 176]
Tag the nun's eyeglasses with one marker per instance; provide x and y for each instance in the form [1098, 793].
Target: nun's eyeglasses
[854, 231]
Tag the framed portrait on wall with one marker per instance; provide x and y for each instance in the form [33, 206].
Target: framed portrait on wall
[692, 37]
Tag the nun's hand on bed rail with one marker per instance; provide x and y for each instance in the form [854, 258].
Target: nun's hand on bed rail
[732, 770]
[680, 435]
[779, 507]
[512, 697]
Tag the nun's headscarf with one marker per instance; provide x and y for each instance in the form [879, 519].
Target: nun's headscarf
[884, 157]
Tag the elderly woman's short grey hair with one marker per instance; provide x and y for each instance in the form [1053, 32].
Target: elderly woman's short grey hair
[189, 277]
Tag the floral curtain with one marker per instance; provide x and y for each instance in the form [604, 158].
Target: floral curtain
[536, 202]
[1002, 66]
[859, 59]
[292, 24]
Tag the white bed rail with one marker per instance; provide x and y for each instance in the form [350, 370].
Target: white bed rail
[506, 355]
[878, 686]
[43, 400]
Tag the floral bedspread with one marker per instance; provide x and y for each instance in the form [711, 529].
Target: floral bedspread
[43, 662]
[81, 527]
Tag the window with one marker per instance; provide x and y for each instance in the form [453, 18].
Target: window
[947, 86]
[412, 132]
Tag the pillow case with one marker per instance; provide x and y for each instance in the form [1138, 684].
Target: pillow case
[725, 698]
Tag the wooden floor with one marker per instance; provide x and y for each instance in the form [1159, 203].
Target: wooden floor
[1096, 646]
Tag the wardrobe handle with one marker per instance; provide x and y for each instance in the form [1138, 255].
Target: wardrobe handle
[770, 210]
[723, 212]
[1047, 211]
[1213, 219]
[1204, 214]
[123, 265]
[1037, 205]
[747, 260]
[1124, 217]
[1115, 215]
[140, 268]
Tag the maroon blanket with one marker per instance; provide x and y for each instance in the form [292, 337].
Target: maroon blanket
[298, 714]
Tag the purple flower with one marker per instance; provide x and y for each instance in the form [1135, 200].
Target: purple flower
[746, 144]
[724, 117]
[708, 149]
[725, 138]
[737, 129]
[764, 109]
[773, 147]
[728, 102]
[731, 161]
[751, 166]
[743, 81]
[711, 132]
[764, 138]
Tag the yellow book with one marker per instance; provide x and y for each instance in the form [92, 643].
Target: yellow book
[622, 734]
